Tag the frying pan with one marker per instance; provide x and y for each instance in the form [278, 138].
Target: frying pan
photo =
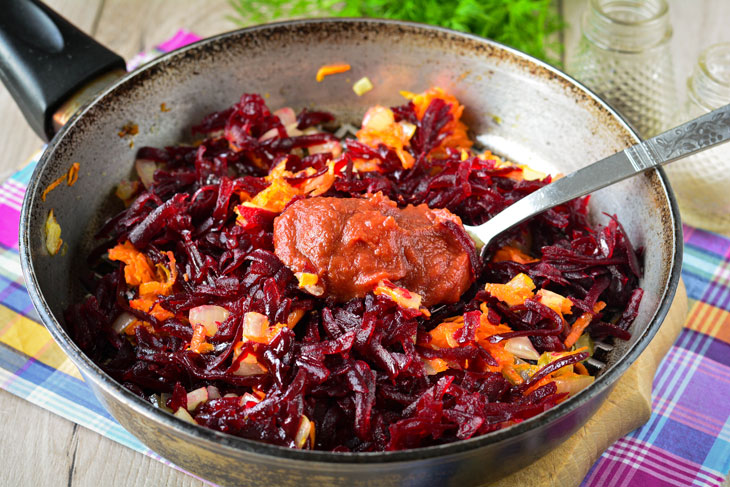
[517, 106]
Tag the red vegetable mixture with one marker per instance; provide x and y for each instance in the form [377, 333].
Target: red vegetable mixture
[191, 309]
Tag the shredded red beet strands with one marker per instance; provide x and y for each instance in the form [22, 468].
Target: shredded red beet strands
[357, 367]
[307, 118]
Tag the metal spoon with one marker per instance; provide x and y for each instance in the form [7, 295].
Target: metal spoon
[689, 138]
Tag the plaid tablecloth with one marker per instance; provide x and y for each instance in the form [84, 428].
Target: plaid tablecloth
[686, 441]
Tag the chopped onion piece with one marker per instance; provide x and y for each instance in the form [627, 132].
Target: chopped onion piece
[126, 190]
[521, 347]
[269, 134]
[306, 430]
[286, 116]
[435, 365]
[213, 393]
[164, 397]
[53, 234]
[122, 322]
[573, 384]
[146, 171]
[332, 147]
[208, 315]
[585, 341]
[292, 130]
[550, 357]
[408, 129]
[183, 414]
[255, 325]
[308, 282]
[248, 400]
[378, 119]
[362, 86]
[294, 316]
[288, 119]
[346, 129]
[529, 174]
[248, 365]
[197, 397]
[319, 185]
[554, 301]
[402, 296]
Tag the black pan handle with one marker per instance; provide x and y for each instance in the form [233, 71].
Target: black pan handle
[44, 60]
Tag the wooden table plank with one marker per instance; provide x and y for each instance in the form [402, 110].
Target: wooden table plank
[37, 445]
[130, 27]
[100, 459]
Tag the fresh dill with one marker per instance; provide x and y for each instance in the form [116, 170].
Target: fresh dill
[527, 25]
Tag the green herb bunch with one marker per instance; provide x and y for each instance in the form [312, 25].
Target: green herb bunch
[526, 25]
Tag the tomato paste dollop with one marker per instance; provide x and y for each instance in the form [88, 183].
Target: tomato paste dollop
[351, 244]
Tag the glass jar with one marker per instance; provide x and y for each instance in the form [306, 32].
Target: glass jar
[624, 56]
[702, 182]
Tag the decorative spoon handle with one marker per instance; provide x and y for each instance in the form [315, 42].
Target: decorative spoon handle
[689, 138]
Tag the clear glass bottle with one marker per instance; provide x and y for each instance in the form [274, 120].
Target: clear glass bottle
[702, 182]
[624, 56]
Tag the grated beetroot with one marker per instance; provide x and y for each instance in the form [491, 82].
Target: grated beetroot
[356, 370]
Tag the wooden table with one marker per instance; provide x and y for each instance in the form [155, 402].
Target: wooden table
[40, 448]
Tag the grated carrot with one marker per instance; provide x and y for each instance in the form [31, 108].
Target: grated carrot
[515, 292]
[52, 186]
[455, 130]
[165, 279]
[73, 174]
[555, 301]
[435, 365]
[131, 329]
[582, 323]
[294, 316]
[138, 272]
[513, 254]
[512, 375]
[379, 127]
[279, 192]
[198, 343]
[329, 69]
[581, 369]
[400, 295]
[150, 306]
[137, 267]
[129, 129]
[443, 335]
[545, 380]
[309, 282]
